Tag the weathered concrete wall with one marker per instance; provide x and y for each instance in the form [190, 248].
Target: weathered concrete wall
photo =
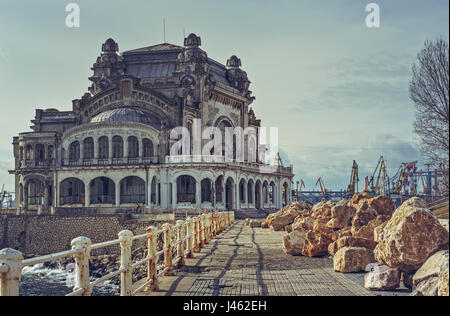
[39, 235]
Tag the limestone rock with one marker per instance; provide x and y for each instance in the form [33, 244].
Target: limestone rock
[311, 244]
[410, 237]
[264, 224]
[431, 267]
[255, 223]
[367, 231]
[382, 204]
[352, 259]
[303, 223]
[443, 277]
[382, 279]
[286, 216]
[362, 218]
[294, 243]
[351, 242]
[288, 228]
[428, 287]
[341, 216]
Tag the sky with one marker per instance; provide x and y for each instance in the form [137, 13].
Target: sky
[336, 89]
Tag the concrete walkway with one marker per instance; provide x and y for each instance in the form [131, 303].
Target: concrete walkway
[249, 261]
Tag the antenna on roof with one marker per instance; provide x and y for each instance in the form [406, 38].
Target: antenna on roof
[164, 27]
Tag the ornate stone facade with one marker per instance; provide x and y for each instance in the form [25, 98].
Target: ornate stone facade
[113, 149]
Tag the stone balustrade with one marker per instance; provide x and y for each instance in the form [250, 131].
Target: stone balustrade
[185, 237]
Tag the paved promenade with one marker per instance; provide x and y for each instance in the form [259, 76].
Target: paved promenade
[249, 261]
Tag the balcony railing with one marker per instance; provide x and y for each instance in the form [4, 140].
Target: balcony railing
[110, 162]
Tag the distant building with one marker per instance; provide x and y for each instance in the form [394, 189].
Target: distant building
[113, 149]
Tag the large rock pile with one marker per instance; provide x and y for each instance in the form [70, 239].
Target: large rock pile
[286, 216]
[409, 243]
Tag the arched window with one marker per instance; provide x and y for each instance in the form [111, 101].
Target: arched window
[206, 190]
[102, 191]
[88, 148]
[117, 147]
[133, 147]
[132, 190]
[40, 152]
[103, 147]
[148, 148]
[35, 192]
[29, 152]
[186, 187]
[74, 151]
[72, 191]
[50, 151]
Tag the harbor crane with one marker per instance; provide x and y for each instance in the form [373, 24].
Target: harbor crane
[322, 188]
[354, 179]
[378, 186]
[300, 185]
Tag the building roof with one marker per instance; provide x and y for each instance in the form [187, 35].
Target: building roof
[129, 115]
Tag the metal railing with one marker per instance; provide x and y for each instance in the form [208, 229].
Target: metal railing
[180, 242]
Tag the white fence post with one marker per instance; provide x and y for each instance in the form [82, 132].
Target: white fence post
[196, 245]
[151, 268]
[83, 245]
[189, 232]
[168, 246]
[180, 246]
[10, 271]
[126, 277]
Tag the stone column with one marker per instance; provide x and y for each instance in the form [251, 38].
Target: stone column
[81, 151]
[141, 149]
[198, 193]
[87, 195]
[96, 148]
[237, 201]
[174, 195]
[125, 148]
[110, 149]
[117, 193]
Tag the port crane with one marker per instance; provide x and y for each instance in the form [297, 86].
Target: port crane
[322, 188]
[354, 179]
[377, 186]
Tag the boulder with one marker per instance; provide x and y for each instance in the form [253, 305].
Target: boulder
[428, 287]
[367, 231]
[382, 279]
[309, 244]
[382, 204]
[316, 244]
[264, 224]
[322, 210]
[255, 223]
[410, 237]
[345, 232]
[282, 218]
[352, 259]
[341, 216]
[362, 218]
[443, 278]
[303, 224]
[351, 241]
[288, 228]
[294, 243]
[432, 277]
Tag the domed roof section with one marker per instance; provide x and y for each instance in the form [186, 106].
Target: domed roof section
[129, 115]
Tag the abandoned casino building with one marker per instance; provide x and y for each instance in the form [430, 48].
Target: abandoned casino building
[112, 151]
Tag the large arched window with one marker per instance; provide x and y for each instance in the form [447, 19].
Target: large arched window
[102, 191]
[148, 148]
[74, 151]
[103, 147]
[206, 190]
[39, 152]
[133, 147]
[117, 147]
[88, 148]
[72, 191]
[29, 152]
[35, 192]
[132, 190]
[186, 189]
